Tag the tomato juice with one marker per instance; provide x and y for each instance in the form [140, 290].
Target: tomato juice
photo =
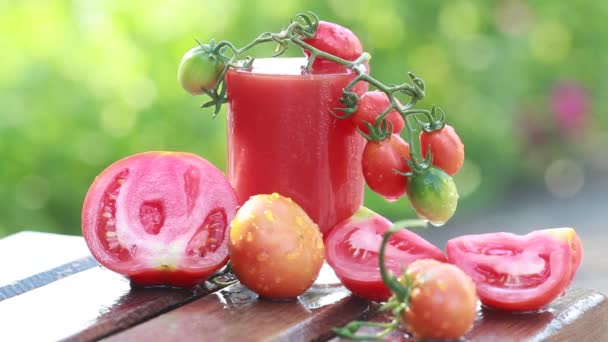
[283, 138]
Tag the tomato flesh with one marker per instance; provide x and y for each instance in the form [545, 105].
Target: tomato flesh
[519, 273]
[160, 218]
[352, 248]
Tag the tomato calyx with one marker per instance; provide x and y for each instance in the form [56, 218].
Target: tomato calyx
[434, 122]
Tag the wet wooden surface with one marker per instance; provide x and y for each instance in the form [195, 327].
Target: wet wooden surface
[67, 296]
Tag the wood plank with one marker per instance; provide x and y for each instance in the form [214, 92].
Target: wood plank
[40, 279]
[580, 315]
[237, 314]
[86, 306]
[26, 254]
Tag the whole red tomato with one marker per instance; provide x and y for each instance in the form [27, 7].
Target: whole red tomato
[276, 250]
[371, 105]
[336, 40]
[380, 160]
[443, 303]
[446, 147]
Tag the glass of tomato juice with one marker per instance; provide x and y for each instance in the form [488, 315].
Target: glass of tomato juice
[283, 138]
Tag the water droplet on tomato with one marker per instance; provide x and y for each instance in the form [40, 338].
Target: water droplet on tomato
[262, 257]
[249, 237]
[268, 215]
[391, 199]
[437, 223]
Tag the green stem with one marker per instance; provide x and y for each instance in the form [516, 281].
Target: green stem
[390, 280]
[349, 331]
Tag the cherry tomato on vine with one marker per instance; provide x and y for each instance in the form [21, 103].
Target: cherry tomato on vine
[335, 40]
[199, 70]
[379, 162]
[160, 218]
[352, 248]
[515, 272]
[275, 249]
[371, 105]
[446, 147]
[433, 195]
[443, 303]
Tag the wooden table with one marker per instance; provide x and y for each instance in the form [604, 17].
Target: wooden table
[52, 289]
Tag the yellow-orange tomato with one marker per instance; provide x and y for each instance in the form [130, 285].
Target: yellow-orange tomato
[275, 249]
[443, 302]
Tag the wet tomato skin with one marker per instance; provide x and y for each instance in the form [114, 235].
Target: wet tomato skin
[518, 272]
[198, 70]
[371, 104]
[160, 218]
[336, 40]
[379, 162]
[352, 248]
[433, 195]
[275, 249]
[446, 148]
[443, 303]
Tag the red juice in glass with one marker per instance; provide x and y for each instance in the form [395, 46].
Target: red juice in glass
[283, 138]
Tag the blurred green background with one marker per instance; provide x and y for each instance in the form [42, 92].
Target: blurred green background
[84, 83]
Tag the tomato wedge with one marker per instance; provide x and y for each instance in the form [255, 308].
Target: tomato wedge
[518, 272]
[352, 246]
[160, 218]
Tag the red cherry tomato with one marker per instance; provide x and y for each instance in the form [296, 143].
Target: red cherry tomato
[336, 40]
[352, 247]
[371, 105]
[160, 218]
[379, 162]
[519, 273]
[443, 303]
[446, 147]
[276, 250]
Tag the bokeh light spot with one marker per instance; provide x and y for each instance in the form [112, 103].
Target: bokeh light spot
[92, 148]
[550, 42]
[477, 54]
[564, 178]
[385, 28]
[459, 19]
[468, 179]
[430, 62]
[118, 120]
[513, 17]
[32, 192]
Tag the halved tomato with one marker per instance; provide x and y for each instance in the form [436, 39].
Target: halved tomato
[160, 218]
[352, 246]
[515, 272]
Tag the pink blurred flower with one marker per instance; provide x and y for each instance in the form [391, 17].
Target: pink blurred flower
[570, 104]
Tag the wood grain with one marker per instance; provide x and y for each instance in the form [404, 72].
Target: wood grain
[237, 314]
[87, 306]
[40, 279]
[26, 254]
[82, 302]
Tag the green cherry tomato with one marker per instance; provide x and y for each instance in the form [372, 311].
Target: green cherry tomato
[433, 195]
[199, 70]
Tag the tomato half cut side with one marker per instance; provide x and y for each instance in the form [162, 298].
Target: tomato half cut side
[518, 272]
[352, 250]
[160, 218]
